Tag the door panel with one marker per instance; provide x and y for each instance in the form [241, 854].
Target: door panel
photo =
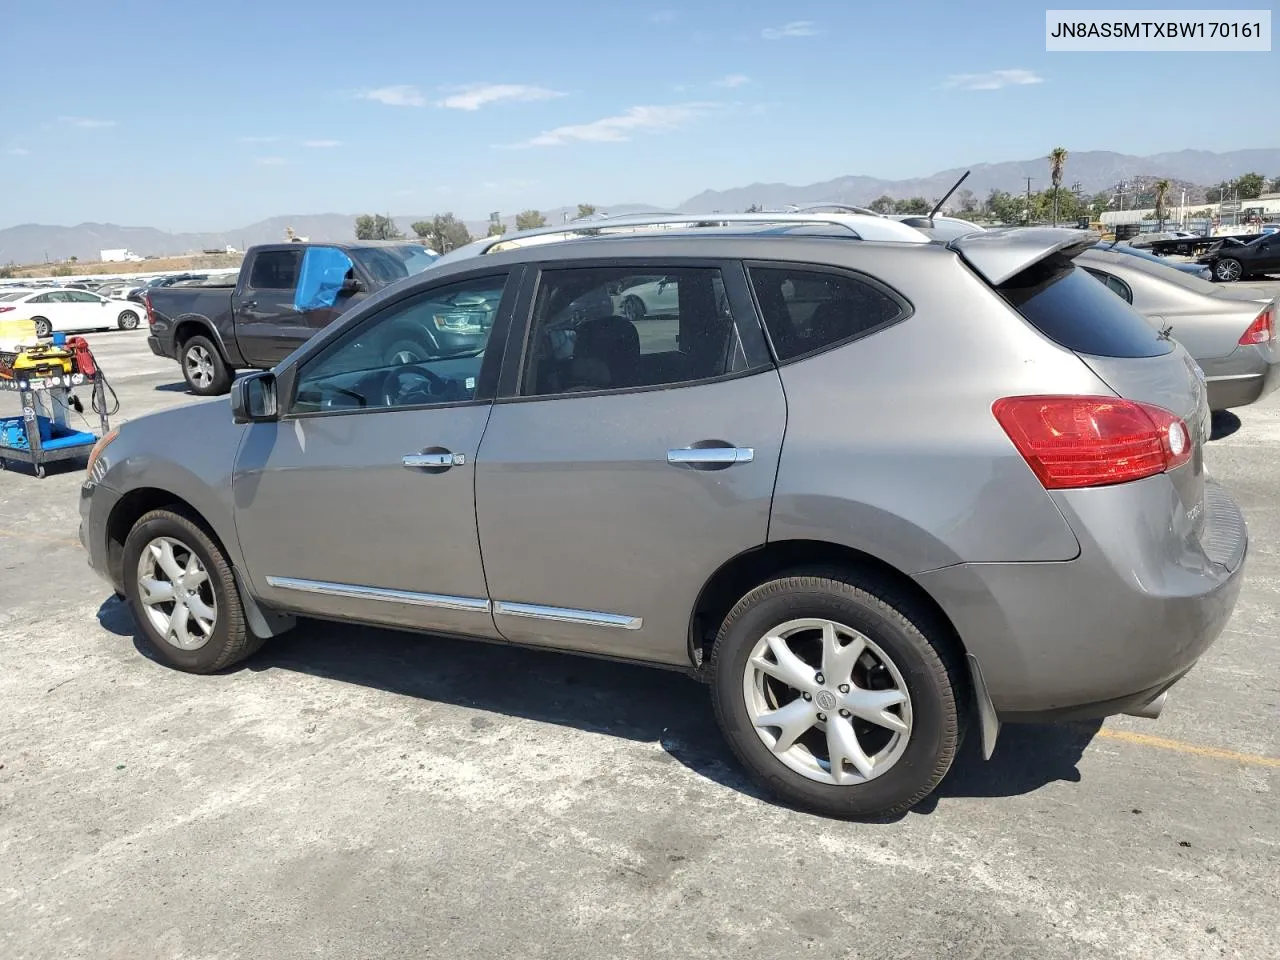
[265, 319]
[328, 501]
[592, 540]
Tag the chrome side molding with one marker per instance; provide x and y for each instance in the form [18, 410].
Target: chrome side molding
[590, 618]
[356, 592]
[700, 455]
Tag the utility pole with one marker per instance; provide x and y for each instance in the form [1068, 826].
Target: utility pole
[1028, 214]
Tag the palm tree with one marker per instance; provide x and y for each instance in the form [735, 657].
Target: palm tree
[1057, 163]
[1162, 188]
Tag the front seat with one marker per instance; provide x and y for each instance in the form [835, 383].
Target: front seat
[606, 354]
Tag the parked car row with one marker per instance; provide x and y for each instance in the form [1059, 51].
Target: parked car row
[877, 490]
[68, 310]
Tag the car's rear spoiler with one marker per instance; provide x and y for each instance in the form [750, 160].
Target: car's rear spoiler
[997, 255]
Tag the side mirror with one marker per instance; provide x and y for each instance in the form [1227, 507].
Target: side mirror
[350, 286]
[253, 398]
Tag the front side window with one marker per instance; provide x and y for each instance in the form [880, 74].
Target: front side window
[325, 271]
[421, 351]
[81, 296]
[619, 328]
[275, 270]
[807, 310]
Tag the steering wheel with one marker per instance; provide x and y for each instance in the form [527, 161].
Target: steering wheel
[411, 383]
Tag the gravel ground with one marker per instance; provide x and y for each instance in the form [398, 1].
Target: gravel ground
[363, 793]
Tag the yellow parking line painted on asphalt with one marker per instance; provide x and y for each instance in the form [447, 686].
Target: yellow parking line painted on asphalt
[1163, 743]
[40, 537]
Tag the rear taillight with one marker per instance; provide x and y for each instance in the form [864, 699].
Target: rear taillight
[151, 314]
[1263, 329]
[1093, 441]
[7, 309]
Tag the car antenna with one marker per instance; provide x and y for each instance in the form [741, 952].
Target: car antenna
[954, 187]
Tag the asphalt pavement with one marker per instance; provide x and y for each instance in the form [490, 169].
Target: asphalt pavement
[361, 793]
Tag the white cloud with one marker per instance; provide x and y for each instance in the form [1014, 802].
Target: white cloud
[796, 28]
[733, 80]
[271, 161]
[18, 152]
[477, 95]
[402, 95]
[87, 123]
[620, 128]
[662, 16]
[321, 144]
[992, 80]
[257, 139]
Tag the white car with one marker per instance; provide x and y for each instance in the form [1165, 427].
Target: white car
[68, 311]
[648, 297]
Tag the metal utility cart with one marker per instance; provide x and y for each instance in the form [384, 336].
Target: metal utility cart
[20, 437]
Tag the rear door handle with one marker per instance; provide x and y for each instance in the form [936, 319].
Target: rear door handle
[437, 460]
[710, 458]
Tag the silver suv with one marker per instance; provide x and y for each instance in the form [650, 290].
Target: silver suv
[873, 489]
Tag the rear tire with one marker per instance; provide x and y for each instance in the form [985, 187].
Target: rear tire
[193, 552]
[43, 327]
[203, 368]
[633, 309]
[905, 651]
[128, 320]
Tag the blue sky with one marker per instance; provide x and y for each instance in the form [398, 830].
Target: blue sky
[211, 116]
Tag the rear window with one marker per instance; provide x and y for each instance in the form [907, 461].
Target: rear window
[1072, 309]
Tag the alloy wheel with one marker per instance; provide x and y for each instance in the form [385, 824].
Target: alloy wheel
[199, 366]
[176, 593]
[827, 701]
[1229, 270]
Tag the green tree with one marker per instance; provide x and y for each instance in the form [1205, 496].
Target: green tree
[965, 201]
[1005, 207]
[530, 220]
[1162, 189]
[882, 204]
[1275, 185]
[1099, 203]
[585, 210]
[1057, 164]
[74, 259]
[754, 208]
[915, 205]
[497, 229]
[1250, 186]
[6, 273]
[377, 227]
[443, 232]
[1213, 195]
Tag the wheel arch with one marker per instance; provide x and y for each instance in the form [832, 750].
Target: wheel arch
[737, 576]
[135, 504]
[184, 328]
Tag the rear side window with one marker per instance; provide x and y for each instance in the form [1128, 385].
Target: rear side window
[1072, 309]
[808, 310]
[275, 270]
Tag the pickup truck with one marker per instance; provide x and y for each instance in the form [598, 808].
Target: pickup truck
[284, 294]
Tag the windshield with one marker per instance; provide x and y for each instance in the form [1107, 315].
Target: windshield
[392, 263]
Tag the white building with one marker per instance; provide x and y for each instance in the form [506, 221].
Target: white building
[1268, 204]
[123, 255]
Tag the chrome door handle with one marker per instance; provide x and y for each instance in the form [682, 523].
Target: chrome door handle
[710, 456]
[434, 459]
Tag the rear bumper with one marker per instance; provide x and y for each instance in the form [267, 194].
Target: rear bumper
[1247, 375]
[157, 347]
[96, 504]
[1108, 632]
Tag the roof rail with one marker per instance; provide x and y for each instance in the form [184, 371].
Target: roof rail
[859, 227]
[845, 207]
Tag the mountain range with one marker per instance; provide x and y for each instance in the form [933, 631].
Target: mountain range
[1092, 170]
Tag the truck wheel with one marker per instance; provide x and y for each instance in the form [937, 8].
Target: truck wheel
[839, 693]
[203, 368]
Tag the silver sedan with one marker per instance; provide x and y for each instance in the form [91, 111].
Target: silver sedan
[1229, 331]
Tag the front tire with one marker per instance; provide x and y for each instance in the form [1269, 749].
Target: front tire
[183, 595]
[1227, 270]
[128, 320]
[839, 664]
[203, 368]
[43, 327]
